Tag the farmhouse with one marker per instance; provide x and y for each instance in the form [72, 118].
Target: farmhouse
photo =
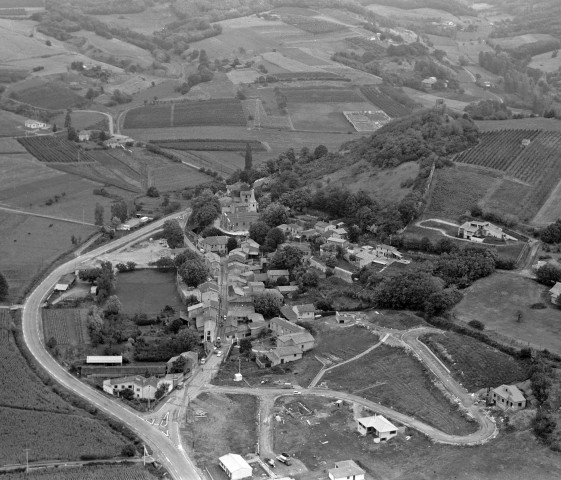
[215, 244]
[508, 397]
[280, 326]
[476, 231]
[298, 312]
[555, 293]
[235, 466]
[302, 340]
[377, 425]
[346, 470]
[280, 356]
[84, 135]
[274, 275]
[34, 124]
[65, 282]
[143, 388]
[346, 317]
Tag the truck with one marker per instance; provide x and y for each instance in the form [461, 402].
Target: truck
[284, 459]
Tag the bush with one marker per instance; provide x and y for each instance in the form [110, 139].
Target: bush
[538, 306]
[476, 324]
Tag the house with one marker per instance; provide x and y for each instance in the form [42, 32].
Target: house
[340, 233]
[235, 466]
[256, 287]
[341, 242]
[377, 425]
[346, 470]
[84, 135]
[304, 249]
[555, 293]
[387, 251]
[347, 317]
[274, 275]
[363, 258]
[104, 360]
[65, 282]
[317, 263]
[143, 388]
[34, 124]
[238, 221]
[295, 313]
[476, 231]
[429, 82]
[287, 289]
[212, 262]
[282, 355]
[280, 326]
[322, 227]
[216, 244]
[508, 397]
[302, 340]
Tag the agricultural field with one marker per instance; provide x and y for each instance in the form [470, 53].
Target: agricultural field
[211, 145]
[11, 124]
[229, 426]
[474, 364]
[384, 102]
[90, 472]
[30, 244]
[55, 149]
[81, 120]
[174, 176]
[545, 62]
[300, 55]
[323, 117]
[18, 169]
[321, 95]
[147, 291]
[47, 93]
[537, 123]
[312, 25]
[456, 190]
[518, 40]
[496, 301]
[511, 456]
[66, 325]
[398, 380]
[395, 319]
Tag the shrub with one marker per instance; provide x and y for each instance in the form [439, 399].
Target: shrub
[476, 324]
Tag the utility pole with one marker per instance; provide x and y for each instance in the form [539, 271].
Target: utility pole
[27, 460]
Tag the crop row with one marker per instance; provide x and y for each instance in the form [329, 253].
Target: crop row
[312, 25]
[55, 149]
[321, 95]
[383, 102]
[289, 76]
[97, 472]
[65, 325]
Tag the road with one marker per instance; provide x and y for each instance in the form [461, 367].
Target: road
[170, 454]
[49, 217]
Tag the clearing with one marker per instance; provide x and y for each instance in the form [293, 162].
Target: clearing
[497, 300]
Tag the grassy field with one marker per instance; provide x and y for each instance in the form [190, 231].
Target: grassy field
[91, 472]
[405, 386]
[11, 124]
[80, 120]
[496, 301]
[474, 364]
[395, 319]
[30, 244]
[115, 47]
[322, 95]
[230, 427]
[323, 117]
[49, 94]
[511, 456]
[518, 40]
[147, 291]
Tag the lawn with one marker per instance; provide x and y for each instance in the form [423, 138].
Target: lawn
[496, 301]
[147, 291]
[511, 456]
[432, 224]
[395, 319]
[474, 364]
[405, 385]
[229, 427]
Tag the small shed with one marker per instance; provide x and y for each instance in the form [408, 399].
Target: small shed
[235, 466]
[65, 282]
[381, 428]
[346, 470]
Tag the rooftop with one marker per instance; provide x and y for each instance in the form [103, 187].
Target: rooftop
[510, 391]
[378, 422]
[345, 469]
[234, 462]
[217, 240]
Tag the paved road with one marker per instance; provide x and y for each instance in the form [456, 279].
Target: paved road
[50, 217]
[164, 449]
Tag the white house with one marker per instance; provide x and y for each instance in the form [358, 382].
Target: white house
[296, 313]
[235, 466]
[508, 397]
[381, 428]
[346, 470]
[143, 388]
[474, 230]
[34, 124]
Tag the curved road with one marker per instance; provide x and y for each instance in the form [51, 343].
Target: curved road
[172, 456]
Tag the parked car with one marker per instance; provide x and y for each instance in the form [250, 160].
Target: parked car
[219, 353]
[203, 361]
[270, 462]
[297, 392]
[284, 459]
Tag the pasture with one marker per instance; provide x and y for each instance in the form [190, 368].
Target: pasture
[474, 364]
[11, 124]
[89, 472]
[46, 93]
[496, 301]
[147, 291]
[518, 40]
[545, 62]
[30, 244]
[313, 25]
[80, 120]
[230, 426]
[404, 385]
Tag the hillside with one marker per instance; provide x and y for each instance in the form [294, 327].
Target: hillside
[541, 16]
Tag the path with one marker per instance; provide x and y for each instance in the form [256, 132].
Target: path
[419, 223]
[50, 217]
[323, 370]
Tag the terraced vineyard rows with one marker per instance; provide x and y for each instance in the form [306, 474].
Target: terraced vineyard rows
[65, 325]
[55, 149]
[312, 25]
[384, 102]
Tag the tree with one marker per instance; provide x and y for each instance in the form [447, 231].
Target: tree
[287, 258]
[274, 238]
[161, 391]
[258, 231]
[179, 365]
[309, 280]
[113, 305]
[4, 288]
[476, 324]
[406, 290]
[90, 94]
[231, 244]
[131, 266]
[90, 275]
[129, 450]
[51, 343]
[296, 199]
[72, 135]
[275, 214]
[248, 157]
[98, 214]
[267, 304]
[67, 120]
[211, 231]
[120, 210]
[127, 394]
[152, 192]
[320, 151]
[548, 274]
[282, 281]
[245, 346]
[173, 233]
[193, 273]
[55, 128]
[325, 304]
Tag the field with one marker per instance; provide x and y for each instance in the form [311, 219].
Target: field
[211, 145]
[404, 384]
[11, 124]
[66, 325]
[55, 149]
[321, 95]
[17, 169]
[230, 426]
[456, 190]
[122, 50]
[474, 364]
[384, 102]
[174, 176]
[395, 319]
[537, 123]
[30, 244]
[323, 117]
[80, 120]
[518, 40]
[511, 456]
[91, 472]
[184, 114]
[147, 291]
[312, 25]
[496, 301]
[49, 94]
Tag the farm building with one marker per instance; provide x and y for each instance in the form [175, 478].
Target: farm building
[274, 275]
[65, 282]
[235, 466]
[280, 356]
[298, 312]
[130, 224]
[143, 388]
[346, 470]
[280, 326]
[508, 397]
[34, 124]
[302, 340]
[377, 425]
[287, 289]
[555, 293]
[84, 135]
[104, 360]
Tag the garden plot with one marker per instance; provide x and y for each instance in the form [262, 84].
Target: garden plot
[290, 64]
[367, 121]
[66, 325]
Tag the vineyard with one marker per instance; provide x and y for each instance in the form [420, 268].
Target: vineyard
[308, 76]
[176, 176]
[211, 145]
[98, 173]
[321, 95]
[149, 116]
[393, 108]
[90, 472]
[55, 149]
[5, 323]
[312, 25]
[67, 326]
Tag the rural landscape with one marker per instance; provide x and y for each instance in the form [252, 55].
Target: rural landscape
[283, 239]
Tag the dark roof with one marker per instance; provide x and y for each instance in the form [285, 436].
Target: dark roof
[288, 313]
[218, 240]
